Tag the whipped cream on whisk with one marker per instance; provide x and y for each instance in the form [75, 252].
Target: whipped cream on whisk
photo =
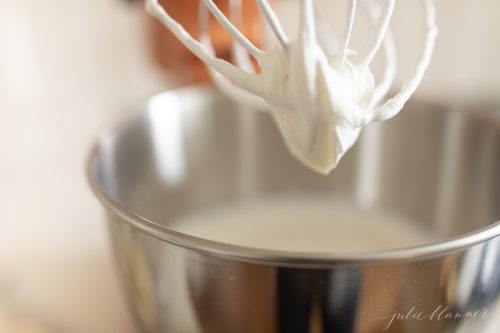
[319, 102]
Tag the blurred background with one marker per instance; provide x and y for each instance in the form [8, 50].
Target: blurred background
[69, 67]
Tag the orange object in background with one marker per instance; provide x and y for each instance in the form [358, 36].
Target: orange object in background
[179, 61]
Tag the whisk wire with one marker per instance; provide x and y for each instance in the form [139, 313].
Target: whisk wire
[274, 23]
[235, 33]
[379, 34]
[344, 45]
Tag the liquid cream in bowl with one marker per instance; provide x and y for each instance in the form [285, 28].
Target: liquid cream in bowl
[305, 225]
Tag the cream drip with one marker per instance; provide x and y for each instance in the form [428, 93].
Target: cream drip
[319, 102]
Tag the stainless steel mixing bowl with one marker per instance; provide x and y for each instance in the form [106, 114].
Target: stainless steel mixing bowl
[193, 149]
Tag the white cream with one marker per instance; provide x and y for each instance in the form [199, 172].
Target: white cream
[319, 102]
[305, 225]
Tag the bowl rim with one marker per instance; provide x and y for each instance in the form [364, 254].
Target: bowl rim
[266, 256]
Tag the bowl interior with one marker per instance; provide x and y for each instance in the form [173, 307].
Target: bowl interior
[193, 149]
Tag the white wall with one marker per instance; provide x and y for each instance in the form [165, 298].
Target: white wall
[66, 67]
